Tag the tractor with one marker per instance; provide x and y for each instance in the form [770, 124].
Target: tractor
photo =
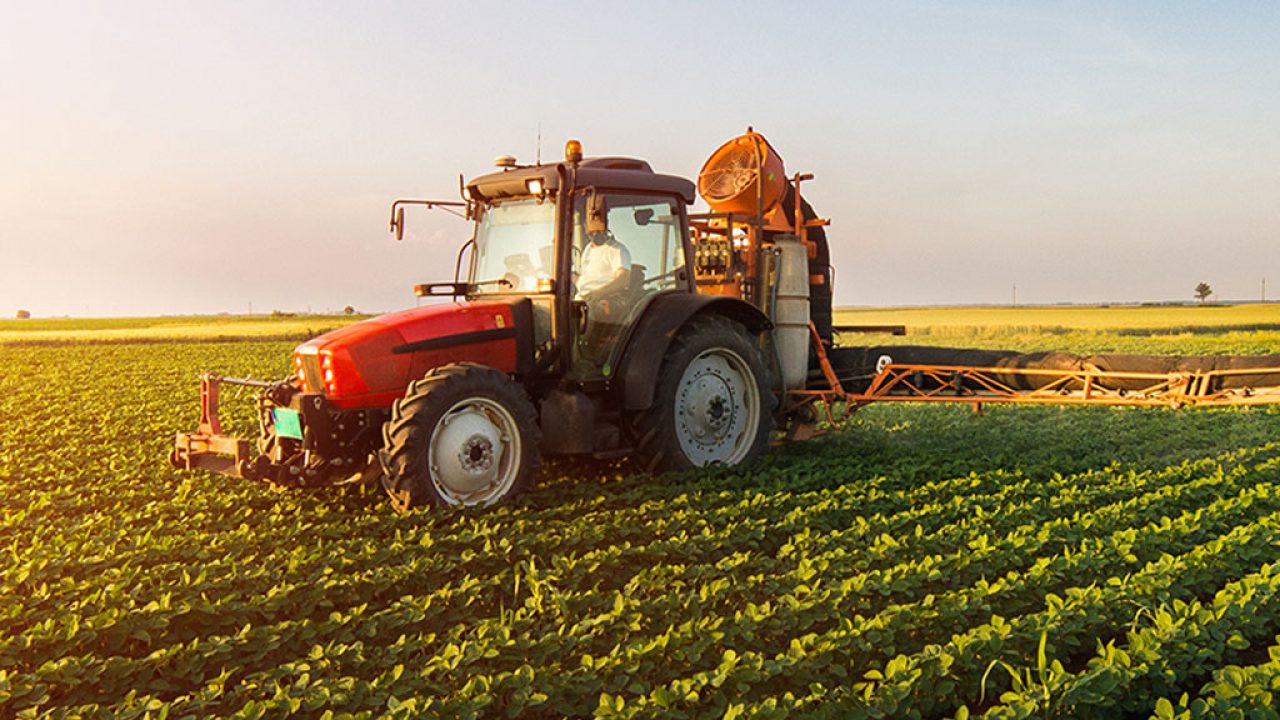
[592, 314]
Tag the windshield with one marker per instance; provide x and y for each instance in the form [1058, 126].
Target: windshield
[515, 247]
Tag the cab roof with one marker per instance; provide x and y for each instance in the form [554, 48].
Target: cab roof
[606, 173]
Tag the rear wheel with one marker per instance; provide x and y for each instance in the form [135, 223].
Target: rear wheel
[714, 401]
[465, 434]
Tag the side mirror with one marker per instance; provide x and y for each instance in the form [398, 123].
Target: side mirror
[644, 216]
[440, 289]
[597, 214]
[398, 224]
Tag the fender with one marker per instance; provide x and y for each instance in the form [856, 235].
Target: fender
[666, 314]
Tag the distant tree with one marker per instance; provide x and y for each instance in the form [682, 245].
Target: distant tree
[24, 314]
[348, 310]
[1203, 291]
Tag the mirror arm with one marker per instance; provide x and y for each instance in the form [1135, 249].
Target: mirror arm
[397, 211]
[457, 264]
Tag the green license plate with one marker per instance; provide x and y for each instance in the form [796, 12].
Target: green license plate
[287, 423]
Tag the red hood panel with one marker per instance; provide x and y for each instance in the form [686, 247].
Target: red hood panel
[373, 367]
[415, 324]
[452, 319]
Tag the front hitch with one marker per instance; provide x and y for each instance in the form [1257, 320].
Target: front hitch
[303, 440]
[208, 448]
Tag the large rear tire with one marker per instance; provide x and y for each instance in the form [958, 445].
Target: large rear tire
[714, 400]
[465, 434]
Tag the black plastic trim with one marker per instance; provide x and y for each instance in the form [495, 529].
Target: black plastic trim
[522, 319]
[459, 339]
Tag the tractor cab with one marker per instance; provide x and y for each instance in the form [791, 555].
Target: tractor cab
[589, 243]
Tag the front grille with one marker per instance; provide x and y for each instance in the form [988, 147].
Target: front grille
[311, 371]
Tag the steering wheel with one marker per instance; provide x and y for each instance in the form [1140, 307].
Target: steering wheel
[663, 276]
[604, 297]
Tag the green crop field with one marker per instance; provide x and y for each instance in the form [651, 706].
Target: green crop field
[922, 562]
[168, 329]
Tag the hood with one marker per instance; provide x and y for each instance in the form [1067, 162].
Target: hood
[370, 363]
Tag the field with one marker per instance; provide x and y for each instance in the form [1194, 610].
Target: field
[921, 562]
[166, 329]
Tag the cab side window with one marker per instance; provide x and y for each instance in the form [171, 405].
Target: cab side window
[627, 248]
[651, 231]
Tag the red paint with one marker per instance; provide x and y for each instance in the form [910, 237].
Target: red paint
[368, 374]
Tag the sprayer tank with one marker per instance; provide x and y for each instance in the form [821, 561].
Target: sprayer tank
[791, 318]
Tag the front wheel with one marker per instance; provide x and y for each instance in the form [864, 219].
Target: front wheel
[465, 434]
[713, 403]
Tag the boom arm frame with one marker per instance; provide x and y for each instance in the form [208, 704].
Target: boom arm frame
[901, 382]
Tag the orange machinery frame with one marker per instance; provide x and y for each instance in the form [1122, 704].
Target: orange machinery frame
[742, 237]
[903, 382]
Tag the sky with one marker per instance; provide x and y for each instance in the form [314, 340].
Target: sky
[184, 157]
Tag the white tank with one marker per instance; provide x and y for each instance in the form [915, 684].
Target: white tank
[791, 318]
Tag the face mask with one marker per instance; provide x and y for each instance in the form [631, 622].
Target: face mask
[599, 238]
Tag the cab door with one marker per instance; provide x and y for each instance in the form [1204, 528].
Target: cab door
[627, 248]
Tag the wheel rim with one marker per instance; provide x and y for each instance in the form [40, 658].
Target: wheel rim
[717, 408]
[475, 453]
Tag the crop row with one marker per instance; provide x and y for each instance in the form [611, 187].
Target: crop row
[798, 612]
[1251, 691]
[1176, 643]
[450, 555]
[877, 570]
[689, 541]
[939, 678]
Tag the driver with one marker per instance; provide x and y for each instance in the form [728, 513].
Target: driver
[603, 260]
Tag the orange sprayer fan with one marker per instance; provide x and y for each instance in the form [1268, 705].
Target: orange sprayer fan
[743, 175]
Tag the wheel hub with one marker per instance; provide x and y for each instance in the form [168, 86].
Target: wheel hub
[716, 408]
[471, 452]
[476, 454]
[709, 407]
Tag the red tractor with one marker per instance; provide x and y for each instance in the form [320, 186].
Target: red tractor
[579, 329]
[598, 317]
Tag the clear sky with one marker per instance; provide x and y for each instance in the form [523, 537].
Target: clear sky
[173, 157]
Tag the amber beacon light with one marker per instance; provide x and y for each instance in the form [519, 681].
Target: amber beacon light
[573, 151]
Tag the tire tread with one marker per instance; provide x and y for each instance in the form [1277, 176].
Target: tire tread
[654, 441]
[406, 435]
